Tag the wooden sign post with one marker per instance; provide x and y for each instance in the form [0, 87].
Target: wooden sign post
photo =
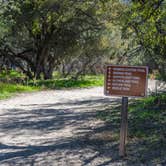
[125, 81]
[123, 128]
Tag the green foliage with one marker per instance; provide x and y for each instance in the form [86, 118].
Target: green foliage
[10, 74]
[145, 20]
[47, 31]
[8, 90]
[61, 83]
[12, 77]
[43, 35]
[146, 117]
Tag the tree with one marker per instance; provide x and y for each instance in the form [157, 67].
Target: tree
[145, 20]
[42, 32]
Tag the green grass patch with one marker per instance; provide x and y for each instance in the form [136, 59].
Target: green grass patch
[146, 129]
[147, 117]
[8, 90]
[87, 81]
[14, 77]
[10, 74]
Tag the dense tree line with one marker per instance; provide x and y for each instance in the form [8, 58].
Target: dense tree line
[74, 36]
[42, 33]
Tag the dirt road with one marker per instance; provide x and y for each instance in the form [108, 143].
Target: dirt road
[52, 128]
[57, 128]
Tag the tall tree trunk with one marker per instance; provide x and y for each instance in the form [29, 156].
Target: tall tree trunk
[40, 61]
[48, 74]
[49, 68]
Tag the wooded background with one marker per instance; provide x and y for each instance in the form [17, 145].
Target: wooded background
[77, 37]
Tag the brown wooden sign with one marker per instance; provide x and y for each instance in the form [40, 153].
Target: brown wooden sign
[126, 80]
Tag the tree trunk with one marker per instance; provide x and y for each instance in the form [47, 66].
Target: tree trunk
[48, 74]
[40, 61]
[38, 72]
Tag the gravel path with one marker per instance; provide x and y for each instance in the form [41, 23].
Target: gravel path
[53, 128]
[57, 128]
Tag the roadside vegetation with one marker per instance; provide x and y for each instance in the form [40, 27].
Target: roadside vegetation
[146, 128]
[8, 90]
[61, 83]
[13, 82]
[150, 111]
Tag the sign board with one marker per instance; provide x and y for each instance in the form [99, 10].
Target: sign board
[126, 81]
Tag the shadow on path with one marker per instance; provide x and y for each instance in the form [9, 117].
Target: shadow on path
[70, 135]
[50, 121]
